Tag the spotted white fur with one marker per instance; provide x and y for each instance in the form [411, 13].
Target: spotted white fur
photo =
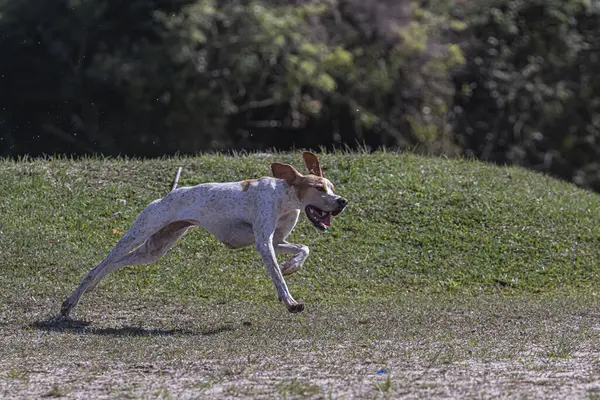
[261, 212]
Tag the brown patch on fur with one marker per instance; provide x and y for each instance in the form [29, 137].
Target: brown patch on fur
[306, 182]
[246, 184]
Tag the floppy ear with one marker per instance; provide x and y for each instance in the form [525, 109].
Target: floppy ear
[312, 163]
[285, 171]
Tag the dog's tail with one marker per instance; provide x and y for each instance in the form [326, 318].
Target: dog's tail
[176, 180]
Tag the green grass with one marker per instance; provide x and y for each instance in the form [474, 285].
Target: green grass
[437, 265]
[414, 224]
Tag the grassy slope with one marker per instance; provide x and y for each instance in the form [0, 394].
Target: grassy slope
[414, 223]
[391, 286]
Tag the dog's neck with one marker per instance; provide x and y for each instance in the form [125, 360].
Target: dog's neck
[290, 200]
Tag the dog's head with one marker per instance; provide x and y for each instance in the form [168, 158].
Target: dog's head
[315, 193]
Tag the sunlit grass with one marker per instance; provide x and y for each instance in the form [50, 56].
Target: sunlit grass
[436, 268]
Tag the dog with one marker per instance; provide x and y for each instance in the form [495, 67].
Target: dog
[262, 212]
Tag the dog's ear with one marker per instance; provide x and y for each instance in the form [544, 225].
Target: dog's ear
[312, 163]
[286, 172]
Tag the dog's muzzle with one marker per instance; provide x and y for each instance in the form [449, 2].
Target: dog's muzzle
[342, 203]
[322, 219]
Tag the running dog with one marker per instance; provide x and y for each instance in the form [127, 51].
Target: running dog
[262, 212]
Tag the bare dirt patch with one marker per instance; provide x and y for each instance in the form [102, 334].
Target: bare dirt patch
[420, 347]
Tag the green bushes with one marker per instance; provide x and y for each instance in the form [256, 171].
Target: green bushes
[507, 81]
[529, 92]
[152, 77]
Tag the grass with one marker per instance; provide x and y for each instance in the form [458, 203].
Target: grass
[442, 271]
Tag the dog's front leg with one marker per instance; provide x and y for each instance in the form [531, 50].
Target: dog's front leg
[300, 252]
[264, 246]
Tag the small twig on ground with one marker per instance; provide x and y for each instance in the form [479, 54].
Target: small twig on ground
[176, 180]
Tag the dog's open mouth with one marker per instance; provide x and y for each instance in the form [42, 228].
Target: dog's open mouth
[319, 218]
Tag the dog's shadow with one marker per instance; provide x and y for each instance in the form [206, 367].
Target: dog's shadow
[54, 324]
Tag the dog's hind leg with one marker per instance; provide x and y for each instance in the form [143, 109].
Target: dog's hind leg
[151, 251]
[122, 255]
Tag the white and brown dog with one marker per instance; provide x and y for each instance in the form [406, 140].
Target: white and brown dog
[261, 212]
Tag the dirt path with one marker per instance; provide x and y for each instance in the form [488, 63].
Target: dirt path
[493, 349]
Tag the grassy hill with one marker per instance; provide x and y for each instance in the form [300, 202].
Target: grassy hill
[414, 224]
[441, 272]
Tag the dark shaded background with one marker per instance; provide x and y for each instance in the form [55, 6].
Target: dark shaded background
[502, 80]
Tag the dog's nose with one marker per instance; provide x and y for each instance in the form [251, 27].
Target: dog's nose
[342, 202]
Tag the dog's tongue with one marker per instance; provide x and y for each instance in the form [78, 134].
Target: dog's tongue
[327, 220]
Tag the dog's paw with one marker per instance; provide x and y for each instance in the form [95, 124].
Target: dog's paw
[66, 307]
[289, 268]
[292, 305]
[295, 308]
[294, 264]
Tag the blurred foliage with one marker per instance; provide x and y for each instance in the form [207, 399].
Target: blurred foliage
[530, 92]
[154, 77]
[64, 74]
[508, 81]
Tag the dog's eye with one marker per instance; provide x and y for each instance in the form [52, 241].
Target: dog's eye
[321, 188]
